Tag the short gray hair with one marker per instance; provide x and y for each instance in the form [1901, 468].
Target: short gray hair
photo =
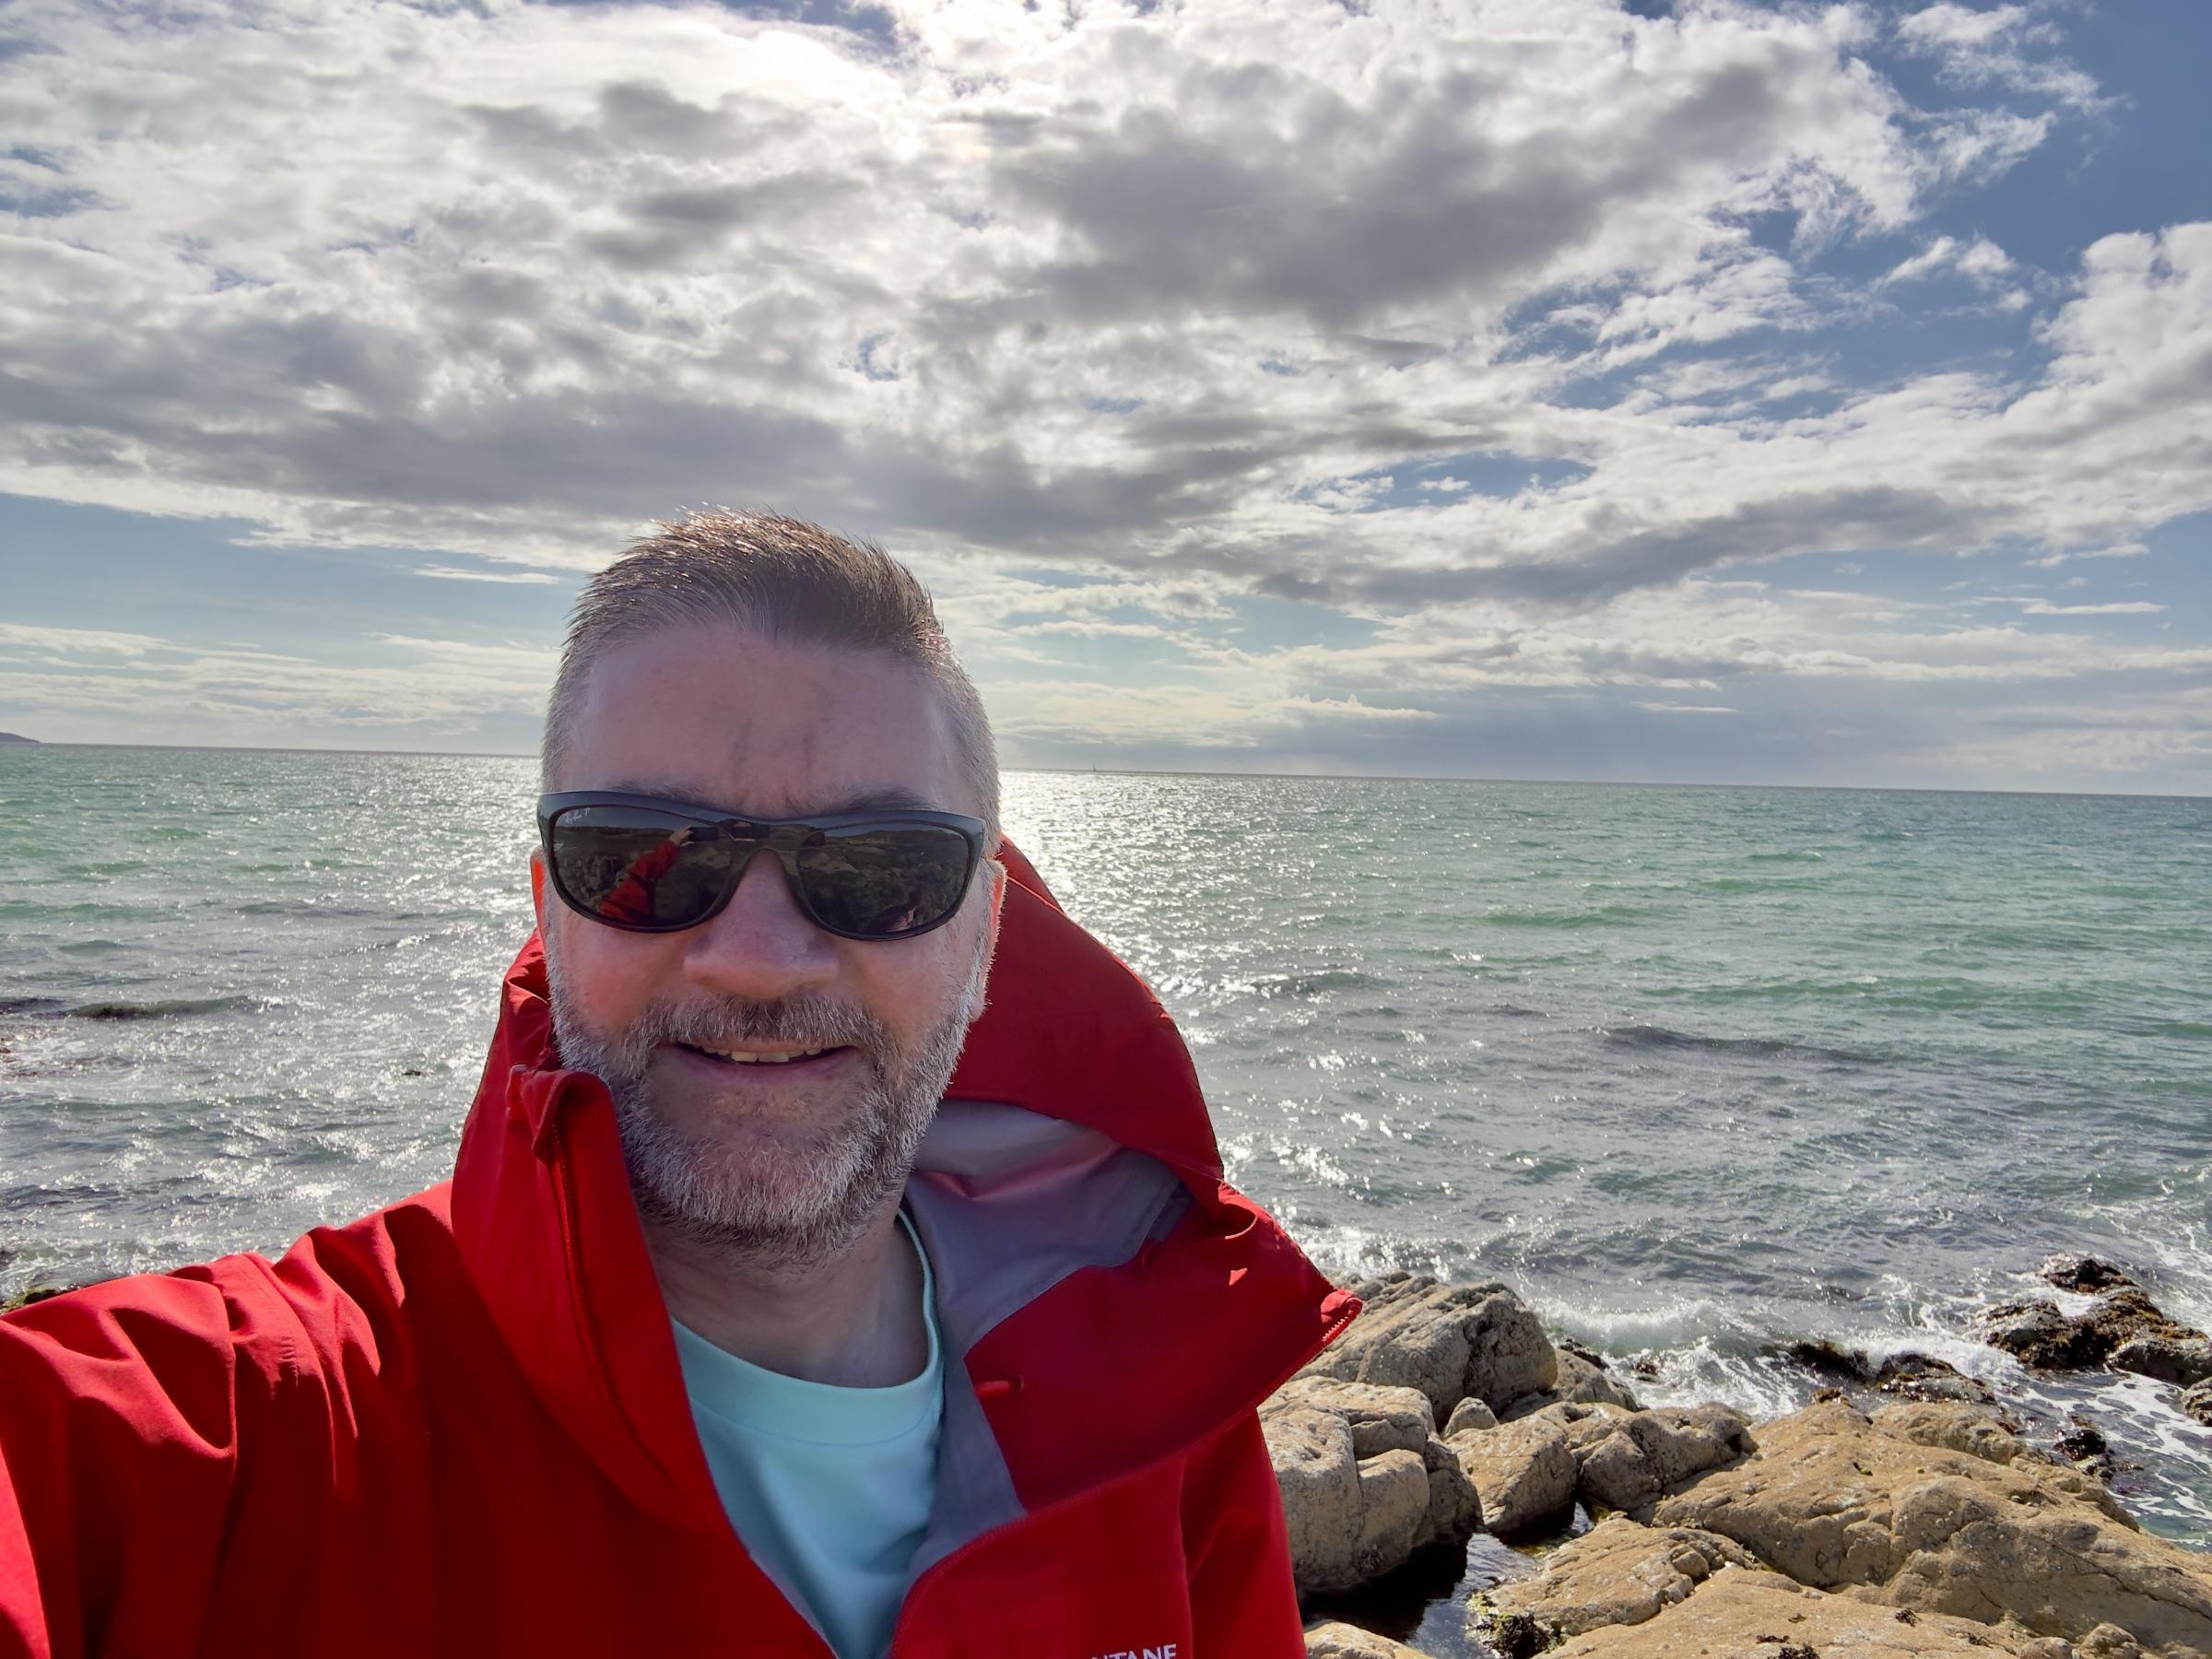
[791, 581]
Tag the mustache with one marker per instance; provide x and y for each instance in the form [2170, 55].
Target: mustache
[799, 1021]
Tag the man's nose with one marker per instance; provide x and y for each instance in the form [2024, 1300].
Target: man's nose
[761, 944]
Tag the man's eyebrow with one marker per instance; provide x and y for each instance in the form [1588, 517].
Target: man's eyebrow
[890, 796]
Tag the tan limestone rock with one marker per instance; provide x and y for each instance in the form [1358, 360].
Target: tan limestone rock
[1393, 1420]
[1525, 1471]
[1618, 1573]
[1350, 1519]
[1645, 1453]
[1381, 1420]
[1742, 1613]
[1350, 1642]
[1470, 1413]
[1578, 1382]
[1449, 1341]
[1838, 1502]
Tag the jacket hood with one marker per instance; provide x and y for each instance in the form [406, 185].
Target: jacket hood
[1106, 1300]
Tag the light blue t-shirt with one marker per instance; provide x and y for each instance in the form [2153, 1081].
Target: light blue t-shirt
[830, 1487]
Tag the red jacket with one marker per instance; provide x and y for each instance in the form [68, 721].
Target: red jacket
[458, 1426]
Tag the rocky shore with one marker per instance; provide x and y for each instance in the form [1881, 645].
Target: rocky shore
[1899, 1514]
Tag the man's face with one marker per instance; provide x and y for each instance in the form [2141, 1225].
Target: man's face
[781, 1161]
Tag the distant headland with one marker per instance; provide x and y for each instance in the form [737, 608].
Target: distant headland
[15, 737]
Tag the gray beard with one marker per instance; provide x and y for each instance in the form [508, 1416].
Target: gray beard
[788, 1217]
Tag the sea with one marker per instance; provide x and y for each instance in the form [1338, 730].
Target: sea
[1701, 1072]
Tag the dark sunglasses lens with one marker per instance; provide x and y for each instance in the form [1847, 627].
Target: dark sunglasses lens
[878, 881]
[631, 867]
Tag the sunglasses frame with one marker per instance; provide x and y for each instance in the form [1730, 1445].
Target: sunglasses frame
[783, 837]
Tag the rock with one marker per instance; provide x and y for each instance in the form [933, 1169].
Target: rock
[2122, 1328]
[1894, 1512]
[2184, 1362]
[1393, 1419]
[1523, 1471]
[1470, 1413]
[1449, 1341]
[1578, 1382]
[1618, 1573]
[1647, 1452]
[1454, 1502]
[1746, 1614]
[1350, 1642]
[2109, 1641]
[2083, 1273]
[32, 1295]
[1922, 1377]
[1826, 1359]
[1349, 1520]
[2037, 1334]
[1381, 1420]
[2085, 1448]
[2197, 1403]
[1955, 1426]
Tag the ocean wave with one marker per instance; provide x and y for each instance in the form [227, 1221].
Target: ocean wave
[1605, 915]
[1663, 1037]
[1317, 984]
[175, 1007]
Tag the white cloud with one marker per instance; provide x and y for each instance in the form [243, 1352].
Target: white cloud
[1123, 326]
[2005, 46]
[1979, 260]
[423, 689]
[526, 578]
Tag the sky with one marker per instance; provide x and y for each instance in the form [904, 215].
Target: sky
[1598, 389]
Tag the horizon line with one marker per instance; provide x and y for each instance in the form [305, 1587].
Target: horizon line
[1170, 772]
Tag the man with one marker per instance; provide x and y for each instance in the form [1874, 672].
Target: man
[837, 1259]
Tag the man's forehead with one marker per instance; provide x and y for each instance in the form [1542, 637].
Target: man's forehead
[745, 723]
[889, 797]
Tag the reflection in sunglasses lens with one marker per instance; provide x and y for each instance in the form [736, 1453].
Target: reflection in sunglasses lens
[885, 880]
[634, 867]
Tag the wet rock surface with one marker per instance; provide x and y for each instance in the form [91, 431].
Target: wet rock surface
[1907, 1375]
[2086, 1273]
[2122, 1328]
[2197, 1403]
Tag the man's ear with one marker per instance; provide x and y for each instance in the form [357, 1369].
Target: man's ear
[998, 892]
[537, 886]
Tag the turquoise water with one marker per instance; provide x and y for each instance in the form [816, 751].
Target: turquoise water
[1699, 1070]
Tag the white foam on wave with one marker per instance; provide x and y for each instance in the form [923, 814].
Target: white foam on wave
[1673, 1322]
[1705, 1374]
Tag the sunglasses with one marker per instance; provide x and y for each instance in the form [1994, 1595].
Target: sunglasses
[653, 866]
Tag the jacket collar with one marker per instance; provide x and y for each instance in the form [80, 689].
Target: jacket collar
[547, 1226]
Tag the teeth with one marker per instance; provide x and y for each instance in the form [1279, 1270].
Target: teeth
[784, 1058]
